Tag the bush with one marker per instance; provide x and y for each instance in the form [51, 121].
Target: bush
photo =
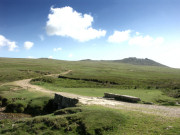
[44, 79]
[11, 108]
[5, 102]
[15, 107]
[172, 93]
[34, 109]
[36, 106]
[20, 109]
[171, 103]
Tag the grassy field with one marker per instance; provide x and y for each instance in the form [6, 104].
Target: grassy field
[100, 121]
[78, 87]
[159, 85]
[23, 101]
[17, 69]
[126, 75]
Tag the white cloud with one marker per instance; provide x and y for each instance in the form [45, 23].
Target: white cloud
[5, 42]
[28, 45]
[57, 49]
[138, 39]
[70, 55]
[119, 36]
[41, 37]
[145, 41]
[30, 57]
[50, 57]
[67, 22]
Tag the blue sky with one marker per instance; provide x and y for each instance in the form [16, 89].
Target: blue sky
[91, 29]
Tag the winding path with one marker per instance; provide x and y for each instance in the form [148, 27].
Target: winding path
[150, 109]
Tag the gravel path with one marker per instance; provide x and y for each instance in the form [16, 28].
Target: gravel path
[150, 109]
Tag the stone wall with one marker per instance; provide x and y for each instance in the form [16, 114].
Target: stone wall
[122, 97]
[63, 102]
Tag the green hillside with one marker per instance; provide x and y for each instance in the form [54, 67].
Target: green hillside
[109, 74]
[158, 85]
[125, 75]
[137, 61]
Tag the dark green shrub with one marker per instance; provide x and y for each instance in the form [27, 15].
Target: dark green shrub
[15, 107]
[157, 87]
[171, 103]
[38, 106]
[11, 108]
[0, 103]
[172, 93]
[20, 109]
[34, 109]
[44, 79]
[5, 102]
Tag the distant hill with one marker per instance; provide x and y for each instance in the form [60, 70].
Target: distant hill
[133, 61]
[137, 61]
[86, 60]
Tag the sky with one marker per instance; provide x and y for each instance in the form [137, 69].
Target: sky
[91, 29]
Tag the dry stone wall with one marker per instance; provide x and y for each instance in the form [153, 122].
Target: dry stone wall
[63, 102]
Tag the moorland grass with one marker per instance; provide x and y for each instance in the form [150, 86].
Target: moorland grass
[24, 101]
[145, 82]
[126, 75]
[100, 120]
[86, 88]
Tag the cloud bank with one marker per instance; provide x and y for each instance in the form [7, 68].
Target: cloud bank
[5, 42]
[67, 22]
[137, 39]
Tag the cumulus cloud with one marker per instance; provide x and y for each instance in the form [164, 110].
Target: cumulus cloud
[67, 22]
[28, 45]
[5, 42]
[57, 49]
[138, 39]
[145, 40]
[119, 36]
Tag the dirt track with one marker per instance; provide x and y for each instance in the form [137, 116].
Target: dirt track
[150, 109]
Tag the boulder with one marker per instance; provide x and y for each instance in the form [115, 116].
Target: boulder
[122, 97]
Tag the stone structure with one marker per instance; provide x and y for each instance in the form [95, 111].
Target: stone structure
[63, 102]
[122, 97]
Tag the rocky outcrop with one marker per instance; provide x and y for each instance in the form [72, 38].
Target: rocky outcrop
[122, 97]
[63, 102]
